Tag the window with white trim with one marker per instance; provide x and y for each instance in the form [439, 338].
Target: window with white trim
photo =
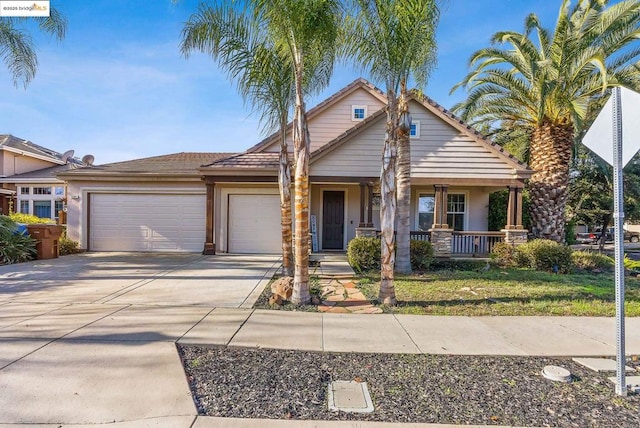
[358, 112]
[24, 207]
[58, 206]
[415, 129]
[456, 210]
[42, 209]
[24, 190]
[42, 190]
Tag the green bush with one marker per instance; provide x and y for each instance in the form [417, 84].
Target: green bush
[544, 254]
[588, 260]
[30, 219]
[14, 248]
[364, 254]
[631, 264]
[421, 253]
[66, 246]
[504, 254]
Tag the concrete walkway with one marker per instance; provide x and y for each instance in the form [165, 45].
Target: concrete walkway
[103, 350]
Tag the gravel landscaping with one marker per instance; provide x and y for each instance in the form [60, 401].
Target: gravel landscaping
[446, 389]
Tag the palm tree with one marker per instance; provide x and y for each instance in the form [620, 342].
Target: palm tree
[546, 83]
[245, 51]
[305, 31]
[16, 46]
[394, 40]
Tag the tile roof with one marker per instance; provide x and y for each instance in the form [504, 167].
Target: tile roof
[260, 160]
[45, 174]
[7, 140]
[183, 163]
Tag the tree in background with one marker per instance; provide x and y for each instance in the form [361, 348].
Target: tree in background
[394, 40]
[244, 49]
[546, 82]
[16, 46]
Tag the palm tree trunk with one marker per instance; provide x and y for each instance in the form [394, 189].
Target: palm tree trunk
[284, 183]
[403, 174]
[387, 294]
[550, 157]
[301, 144]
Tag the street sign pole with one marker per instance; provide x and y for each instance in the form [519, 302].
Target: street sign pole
[618, 218]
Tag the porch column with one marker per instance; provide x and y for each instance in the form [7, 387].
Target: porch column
[362, 222]
[370, 204]
[437, 211]
[518, 218]
[443, 206]
[514, 232]
[210, 245]
[511, 209]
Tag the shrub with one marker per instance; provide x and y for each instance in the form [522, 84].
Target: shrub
[421, 253]
[631, 264]
[504, 254]
[67, 246]
[589, 260]
[30, 219]
[364, 253]
[14, 247]
[544, 254]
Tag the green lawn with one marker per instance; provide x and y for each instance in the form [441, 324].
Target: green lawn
[506, 292]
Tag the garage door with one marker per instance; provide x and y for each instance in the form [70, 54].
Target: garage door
[254, 224]
[136, 222]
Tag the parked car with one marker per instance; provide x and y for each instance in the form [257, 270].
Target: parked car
[594, 237]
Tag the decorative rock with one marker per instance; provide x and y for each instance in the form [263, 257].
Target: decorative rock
[335, 298]
[283, 287]
[315, 300]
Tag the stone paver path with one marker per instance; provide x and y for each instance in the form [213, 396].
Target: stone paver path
[341, 296]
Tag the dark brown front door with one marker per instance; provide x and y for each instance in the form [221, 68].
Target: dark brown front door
[333, 220]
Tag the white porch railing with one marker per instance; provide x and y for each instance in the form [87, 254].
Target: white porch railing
[475, 242]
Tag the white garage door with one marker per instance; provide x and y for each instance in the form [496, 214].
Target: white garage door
[137, 222]
[254, 224]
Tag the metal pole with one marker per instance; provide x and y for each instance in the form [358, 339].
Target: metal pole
[618, 221]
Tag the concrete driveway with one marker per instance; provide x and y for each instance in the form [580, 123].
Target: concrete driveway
[91, 338]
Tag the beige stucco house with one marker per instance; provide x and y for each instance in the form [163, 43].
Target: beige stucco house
[28, 182]
[230, 203]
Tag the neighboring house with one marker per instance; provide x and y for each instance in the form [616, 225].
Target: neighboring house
[233, 203]
[28, 182]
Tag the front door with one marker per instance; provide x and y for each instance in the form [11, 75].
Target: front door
[333, 220]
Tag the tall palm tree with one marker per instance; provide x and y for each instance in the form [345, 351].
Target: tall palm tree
[394, 40]
[16, 46]
[546, 83]
[305, 31]
[243, 48]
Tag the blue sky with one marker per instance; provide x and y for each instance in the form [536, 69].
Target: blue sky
[118, 88]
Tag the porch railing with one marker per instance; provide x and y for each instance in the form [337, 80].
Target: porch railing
[475, 243]
[420, 235]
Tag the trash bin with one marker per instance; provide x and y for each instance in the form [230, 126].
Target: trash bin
[46, 236]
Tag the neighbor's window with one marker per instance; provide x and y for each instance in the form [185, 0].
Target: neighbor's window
[358, 112]
[59, 206]
[42, 209]
[455, 211]
[415, 129]
[58, 191]
[42, 190]
[24, 190]
[24, 207]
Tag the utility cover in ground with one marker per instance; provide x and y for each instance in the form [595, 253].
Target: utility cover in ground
[351, 396]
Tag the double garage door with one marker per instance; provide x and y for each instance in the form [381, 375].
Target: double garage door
[147, 222]
[176, 223]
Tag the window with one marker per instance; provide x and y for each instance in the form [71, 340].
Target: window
[24, 207]
[358, 113]
[58, 191]
[24, 190]
[415, 129]
[42, 191]
[59, 206]
[456, 210]
[42, 209]
[426, 204]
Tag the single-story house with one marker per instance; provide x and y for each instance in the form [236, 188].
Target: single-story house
[28, 182]
[229, 203]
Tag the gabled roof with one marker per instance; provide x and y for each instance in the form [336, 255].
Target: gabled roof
[17, 145]
[42, 175]
[262, 160]
[175, 164]
[359, 83]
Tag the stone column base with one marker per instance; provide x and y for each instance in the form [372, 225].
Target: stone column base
[441, 239]
[209, 249]
[368, 232]
[515, 236]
